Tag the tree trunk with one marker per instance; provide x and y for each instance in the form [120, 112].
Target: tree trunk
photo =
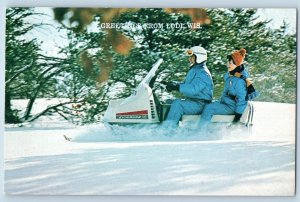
[29, 107]
[10, 116]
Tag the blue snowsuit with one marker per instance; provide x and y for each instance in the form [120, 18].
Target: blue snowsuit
[233, 99]
[198, 89]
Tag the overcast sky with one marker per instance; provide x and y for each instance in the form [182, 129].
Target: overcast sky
[278, 16]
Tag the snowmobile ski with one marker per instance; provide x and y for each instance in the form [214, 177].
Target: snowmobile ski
[67, 138]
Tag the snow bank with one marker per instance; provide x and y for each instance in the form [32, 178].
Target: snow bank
[140, 160]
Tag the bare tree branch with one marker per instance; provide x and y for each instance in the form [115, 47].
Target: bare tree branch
[52, 107]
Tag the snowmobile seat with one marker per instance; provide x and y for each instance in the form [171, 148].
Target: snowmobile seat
[247, 117]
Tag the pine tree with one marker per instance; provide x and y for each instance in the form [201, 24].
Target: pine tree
[30, 74]
[22, 66]
[230, 29]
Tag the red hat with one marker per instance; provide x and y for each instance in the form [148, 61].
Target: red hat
[238, 56]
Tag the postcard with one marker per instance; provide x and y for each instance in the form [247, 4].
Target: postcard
[150, 101]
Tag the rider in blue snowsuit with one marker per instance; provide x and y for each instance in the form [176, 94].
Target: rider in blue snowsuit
[233, 99]
[197, 87]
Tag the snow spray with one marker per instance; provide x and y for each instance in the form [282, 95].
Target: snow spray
[148, 132]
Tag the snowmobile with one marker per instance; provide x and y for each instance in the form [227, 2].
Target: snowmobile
[143, 107]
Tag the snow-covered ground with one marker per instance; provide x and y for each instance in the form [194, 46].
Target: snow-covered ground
[146, 161]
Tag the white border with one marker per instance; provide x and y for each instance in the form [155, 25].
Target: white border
[130, 3]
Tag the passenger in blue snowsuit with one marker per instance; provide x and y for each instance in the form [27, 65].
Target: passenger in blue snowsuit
[233, 99]
[244, 74]
[197, 87]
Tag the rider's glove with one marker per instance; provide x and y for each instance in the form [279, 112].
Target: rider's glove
[170, 86]
[237, 118]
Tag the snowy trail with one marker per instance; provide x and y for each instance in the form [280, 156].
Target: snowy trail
[97, 162]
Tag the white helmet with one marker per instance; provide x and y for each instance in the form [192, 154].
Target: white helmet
[201, 54]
